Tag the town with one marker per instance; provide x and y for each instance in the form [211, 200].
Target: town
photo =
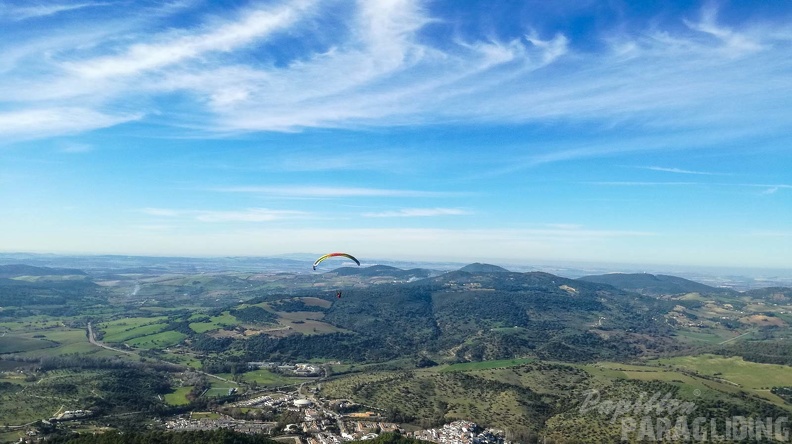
[319, 421]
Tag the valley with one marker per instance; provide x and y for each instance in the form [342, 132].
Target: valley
[517, 353]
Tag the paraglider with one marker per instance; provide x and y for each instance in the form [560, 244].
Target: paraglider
[338, 294]
[326, 256]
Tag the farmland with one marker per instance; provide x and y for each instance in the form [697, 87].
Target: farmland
[484, 365]
[426, 354]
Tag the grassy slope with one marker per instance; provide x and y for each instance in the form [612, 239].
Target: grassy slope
[541, 394]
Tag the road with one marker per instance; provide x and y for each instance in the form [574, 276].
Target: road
[736, 337]
[337, 416]
[92, 340]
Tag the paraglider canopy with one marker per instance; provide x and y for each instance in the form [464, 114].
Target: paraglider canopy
[327, 256]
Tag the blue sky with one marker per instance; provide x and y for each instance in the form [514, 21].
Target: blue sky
[428, 130]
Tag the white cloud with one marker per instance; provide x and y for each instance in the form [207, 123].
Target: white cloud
[420, 212]
[247, 215]
[41, 122]
[343, 160]
[771, 190]
[227, 37]
[75, 148]
[26, 12]
[163, 212]
[379, 69]
[643, 184]
[679, 171]
[734, 42]
[330, 192]
[552, 49]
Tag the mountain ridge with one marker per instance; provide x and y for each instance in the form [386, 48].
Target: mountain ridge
[655, 285]
[17, 270]
[478, 267]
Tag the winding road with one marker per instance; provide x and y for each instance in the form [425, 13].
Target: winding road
[92, 340]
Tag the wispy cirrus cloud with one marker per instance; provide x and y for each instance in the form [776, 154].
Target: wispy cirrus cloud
[378, 71]
[643, 184]
[250, 215]
[41, 122]
[769, 189]
[420, 212]
[680, 171]
[225, 74]
[333, 192]
[75, 148]
[343, 161]
[173, 50]
[247, 215]
[161, 212]
[18, 13]
[735, 42]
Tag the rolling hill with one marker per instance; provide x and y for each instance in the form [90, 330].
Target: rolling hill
[462, 316]
[382, 271]
[650, 284]
[478, 267]
[17, 270]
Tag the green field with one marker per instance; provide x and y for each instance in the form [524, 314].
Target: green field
[135, 332]
[69, 340]
[483, 365]
[219, 388]
[225, 319]
[124, 324]
[158, 340]
[268, 378]
[704, 375]
[16, 344]
[705, 337]
[734, 369]
[30, 323]
[689, 386]
[178, 397]
[183, 359]
[310, 327]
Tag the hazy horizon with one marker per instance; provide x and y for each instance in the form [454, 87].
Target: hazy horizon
[745, 277]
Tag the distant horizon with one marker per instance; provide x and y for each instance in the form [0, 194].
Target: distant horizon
[450, 264]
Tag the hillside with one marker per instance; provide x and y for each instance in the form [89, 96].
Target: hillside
[503, 349]
[774, 294]
[546, 399]
[16, 270]
[462, 316]
[382, 271]
[650, 284]
[61, 297]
